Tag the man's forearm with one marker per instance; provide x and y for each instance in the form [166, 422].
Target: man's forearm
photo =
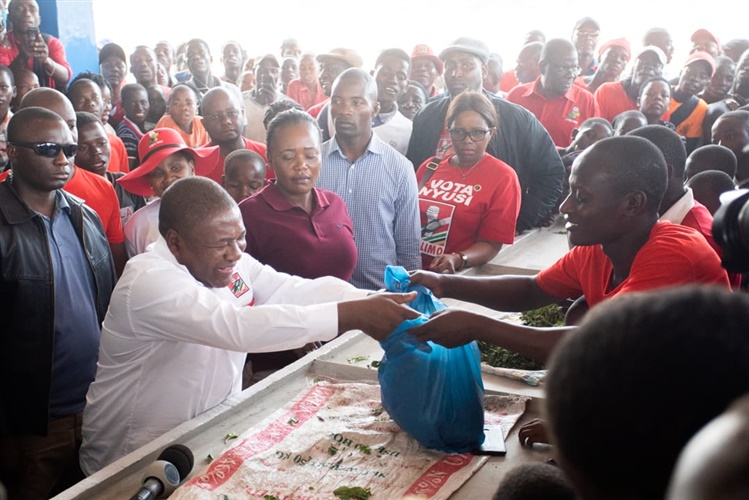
[535, 343]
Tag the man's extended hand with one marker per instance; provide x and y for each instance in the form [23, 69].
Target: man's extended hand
[432, 281]
[533, 432]
[448, 327]
[39, 49]
[377, 315]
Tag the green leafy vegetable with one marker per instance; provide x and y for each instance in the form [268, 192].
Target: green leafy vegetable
[352, 493]
[209, 458]
[230, 436]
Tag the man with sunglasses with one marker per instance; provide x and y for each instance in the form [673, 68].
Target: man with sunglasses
[559, 104]
[94, 190]
[29, 48]
[56, 278]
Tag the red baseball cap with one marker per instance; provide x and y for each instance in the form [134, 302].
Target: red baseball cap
[701, 55]
[616, 42]
[703, 32]
[422, 50]
[153, 148]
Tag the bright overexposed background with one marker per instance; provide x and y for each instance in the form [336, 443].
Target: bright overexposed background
[371, 26]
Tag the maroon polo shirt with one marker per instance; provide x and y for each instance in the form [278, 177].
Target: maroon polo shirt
[292, 241]
[559, 115]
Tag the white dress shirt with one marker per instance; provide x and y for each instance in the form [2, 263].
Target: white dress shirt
[171, 348]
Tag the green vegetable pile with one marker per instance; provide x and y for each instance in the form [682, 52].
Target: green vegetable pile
[493, 355]
[352, 493]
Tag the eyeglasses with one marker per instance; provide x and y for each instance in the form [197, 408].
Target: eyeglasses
[48, 149]
[459, 134]
[564, 70]
[215, 117]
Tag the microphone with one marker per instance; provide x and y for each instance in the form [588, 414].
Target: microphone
[163, 476]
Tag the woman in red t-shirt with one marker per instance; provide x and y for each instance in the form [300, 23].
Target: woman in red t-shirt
[469, 204]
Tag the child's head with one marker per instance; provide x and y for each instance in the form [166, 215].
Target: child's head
[591, 131]
[654, 98]
[534, 481]
[627, 121]
[244, 174]
[135, 103]
[26, 81]
[711, 157]
[707, 187]
[640, 376]
[183, 106]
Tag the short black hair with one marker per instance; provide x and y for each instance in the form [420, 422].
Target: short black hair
[200, 41]
[653, 79]
[191, 201]
[670, 144]
[94, 77]
[284, 119]
[632, 164]
[18, 123]
[625, 115]
[130, 89]
[7, 71]
[182, 86]
[84, 119]
[711, 157]
[398, 53]
[370, 85]
[277, 107]
[534, 481]
[77, 82]
[243, 154]
[596, 120]
[641, 375]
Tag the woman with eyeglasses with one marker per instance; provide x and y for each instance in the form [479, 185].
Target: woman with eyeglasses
[469, 200]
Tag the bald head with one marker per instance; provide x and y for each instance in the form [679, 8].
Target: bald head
[631, 164]
[190, 202]
[27, 121]
[55, 101]
[217, 96]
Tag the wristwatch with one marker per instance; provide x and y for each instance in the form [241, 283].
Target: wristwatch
[463, 260]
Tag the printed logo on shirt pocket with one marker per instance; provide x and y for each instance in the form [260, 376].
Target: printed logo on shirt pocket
[237, 285]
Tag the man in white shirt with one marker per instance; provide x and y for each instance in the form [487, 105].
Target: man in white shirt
[185, 313]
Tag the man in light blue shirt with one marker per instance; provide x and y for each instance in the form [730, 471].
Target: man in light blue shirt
[377, 183]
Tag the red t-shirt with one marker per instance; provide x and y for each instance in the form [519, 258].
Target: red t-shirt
[56, 53]
[292, 241]
[299, 92]
[457, 212]
[99, 195]
[673, 255]
[257, 147]
[315, 110]
[118, 155]
[559, 115]
[612, 100]
[509, 81]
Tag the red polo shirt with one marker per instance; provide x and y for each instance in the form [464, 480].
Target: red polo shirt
[559, 115]
[612, 100]
[218, 170]
[292, 241]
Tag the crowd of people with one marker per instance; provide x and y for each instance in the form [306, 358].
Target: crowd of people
[158, 222]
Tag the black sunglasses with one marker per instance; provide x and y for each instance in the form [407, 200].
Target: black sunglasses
[48, 149]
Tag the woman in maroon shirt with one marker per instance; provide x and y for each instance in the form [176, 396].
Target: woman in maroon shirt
[291, 225]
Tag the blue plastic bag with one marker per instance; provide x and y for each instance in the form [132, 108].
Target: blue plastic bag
[433, 393]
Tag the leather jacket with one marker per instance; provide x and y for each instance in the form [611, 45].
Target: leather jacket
[27, 305]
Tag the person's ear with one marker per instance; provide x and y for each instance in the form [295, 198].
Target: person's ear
[484, 71]
[15, 92]
[375, 109]
[175, 243]
[638, 101]
[574, 133]
[12, 154]
[223, 181]
[669, 171]
[635, 202]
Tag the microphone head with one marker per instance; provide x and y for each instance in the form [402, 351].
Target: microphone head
[180, 456]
